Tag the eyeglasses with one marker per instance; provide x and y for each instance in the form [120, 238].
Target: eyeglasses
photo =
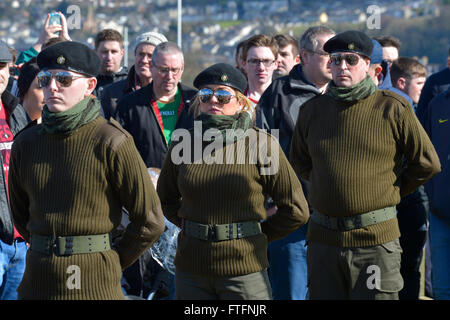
[350, 59]
[223, 97]
[165, 71]
[265, 62]
[63, 78]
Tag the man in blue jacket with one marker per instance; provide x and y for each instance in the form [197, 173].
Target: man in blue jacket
[437, 125]
[436, 83]
[408, 75]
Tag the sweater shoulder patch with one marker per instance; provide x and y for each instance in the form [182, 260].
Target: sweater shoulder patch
[111, 133]
[399, 98]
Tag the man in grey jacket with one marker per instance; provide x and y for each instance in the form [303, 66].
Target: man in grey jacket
[12, 246]
[278, 109]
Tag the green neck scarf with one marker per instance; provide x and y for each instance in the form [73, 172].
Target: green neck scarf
[359, 91]
[231, 128]
[68, 121]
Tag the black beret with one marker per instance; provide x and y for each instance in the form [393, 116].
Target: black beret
[223, 74]
[71, 56]
[350, 41]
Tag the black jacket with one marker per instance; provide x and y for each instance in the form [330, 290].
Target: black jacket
[105, 80]
[115, 91]
[136, 115]
[17, 121]
[436, 83]
[280, 103]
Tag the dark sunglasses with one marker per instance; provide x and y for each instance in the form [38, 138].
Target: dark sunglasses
[63, 78]
[223, 97]
[350, 59]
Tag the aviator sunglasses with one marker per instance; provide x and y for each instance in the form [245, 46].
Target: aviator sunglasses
[63, 78]
[350, 59]
[222, 96]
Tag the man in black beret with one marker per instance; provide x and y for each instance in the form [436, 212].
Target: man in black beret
[69, 178]
[361, 149]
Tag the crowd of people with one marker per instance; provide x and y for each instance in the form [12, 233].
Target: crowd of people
[312, 169]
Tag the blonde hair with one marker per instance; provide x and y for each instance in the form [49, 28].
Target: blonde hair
[248, 105]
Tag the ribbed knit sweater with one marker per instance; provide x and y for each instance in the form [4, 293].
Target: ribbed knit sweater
[73, 185]
[227, 193]
[353, 156]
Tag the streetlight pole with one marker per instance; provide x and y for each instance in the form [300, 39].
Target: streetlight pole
[179, 23]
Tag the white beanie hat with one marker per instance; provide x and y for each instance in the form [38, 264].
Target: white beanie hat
[151, 37]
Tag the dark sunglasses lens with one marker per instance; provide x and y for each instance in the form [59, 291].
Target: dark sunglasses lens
[205, 95]
[352, 59]
[336, 60]
[223, 96]
[64, 78]
[44, 79]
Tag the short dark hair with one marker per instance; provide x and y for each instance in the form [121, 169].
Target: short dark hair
[260, 40]
[408, 68]
[28, 72]
[284, 40]
[108, 35]
[389, 41]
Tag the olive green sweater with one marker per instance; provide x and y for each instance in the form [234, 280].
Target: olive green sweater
[227, 193]
[76, 184]
[354, 155]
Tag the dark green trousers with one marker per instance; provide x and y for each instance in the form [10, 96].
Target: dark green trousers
[366, 273]
[253, 286]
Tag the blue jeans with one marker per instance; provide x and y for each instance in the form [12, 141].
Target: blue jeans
[12, 267]
[440, 257]
[288, 269]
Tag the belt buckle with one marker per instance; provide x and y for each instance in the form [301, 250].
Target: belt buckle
[340, 224]
[56, 246]
[239, 234]
[357, 220]
[212, 234]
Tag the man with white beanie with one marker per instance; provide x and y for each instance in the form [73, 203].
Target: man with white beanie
[139, 75]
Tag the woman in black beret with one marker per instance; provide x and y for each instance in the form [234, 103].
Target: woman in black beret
[213, 185]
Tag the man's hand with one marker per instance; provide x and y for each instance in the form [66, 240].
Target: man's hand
[50, 31]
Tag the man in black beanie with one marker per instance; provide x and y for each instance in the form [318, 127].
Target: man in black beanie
[70, 176]
[361, 149]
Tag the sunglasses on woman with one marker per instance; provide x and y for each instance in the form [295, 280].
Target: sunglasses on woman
[350, 59]
[223, 97]
[63, 78]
